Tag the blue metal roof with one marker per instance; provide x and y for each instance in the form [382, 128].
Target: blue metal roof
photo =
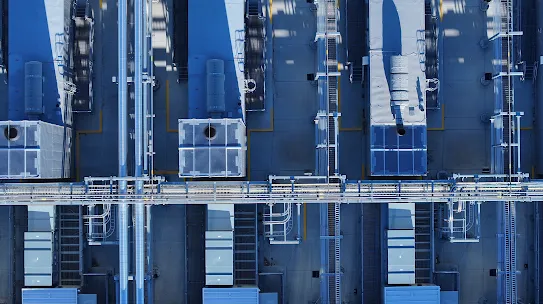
[49, 295]
[393, 155]
[411, 294]
[230, 295]
[36, 33]
[216, 31]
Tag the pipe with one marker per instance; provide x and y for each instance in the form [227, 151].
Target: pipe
[122, 121]
[145, 86]
[139, 208]
[299, 236]
[148, 209]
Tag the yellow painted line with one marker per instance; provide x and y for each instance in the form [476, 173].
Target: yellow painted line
[442, 128]
[526, 128]
[249, 132]
[78, 134]
[270, 129]
[440, 9]
[355, 129]
[271, 11]
[305, 222]
[363, 175]
[100, 4]
[168, 130]
[533, 172]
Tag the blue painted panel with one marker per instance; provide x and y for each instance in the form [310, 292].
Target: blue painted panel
[216, 31]
[230, 295]
[49, 295]
[411, 295]
[449, 297]
[33, 28]
[394, 155]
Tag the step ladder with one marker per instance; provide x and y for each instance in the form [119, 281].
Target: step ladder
[356, 74]
[423, 243]
[183, 73]
[245, 244]
[253, 8]
[70, 246]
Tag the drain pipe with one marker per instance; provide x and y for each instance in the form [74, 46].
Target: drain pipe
[122, 117]
[147, 127]
[145, 58]
[138, 149]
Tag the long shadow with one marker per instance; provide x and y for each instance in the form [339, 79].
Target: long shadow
[392, 35]
[215, 40]
[30, 41]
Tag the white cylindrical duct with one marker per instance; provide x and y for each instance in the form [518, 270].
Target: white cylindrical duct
[215, 86]
[399, 81]
[123, 150]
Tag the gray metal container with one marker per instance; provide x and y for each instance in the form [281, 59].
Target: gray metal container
[33, 88]
[215, 86]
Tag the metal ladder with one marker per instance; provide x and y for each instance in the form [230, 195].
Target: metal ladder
[253, 8]
[70, 246]
[334, 250]
[510, 254]
[245, 244]
[356, 73]
[423, 243]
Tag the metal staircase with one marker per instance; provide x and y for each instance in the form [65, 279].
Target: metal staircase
[356, 74]
[82, 57]
[255, 56]
[510, 267]
[253, 8]
[245, 245]
[70, 246]
[334, 249]
[508, 146]
[423, 242]
[327, 145]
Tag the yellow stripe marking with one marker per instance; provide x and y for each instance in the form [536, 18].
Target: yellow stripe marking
[77, 136]
[442, 128]
[305, 222]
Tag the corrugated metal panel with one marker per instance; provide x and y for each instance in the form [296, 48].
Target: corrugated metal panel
[49, 295]
[212, 147]
[401, 216]
[411, 295]
[401, 257]
[219, 257]
[230, 296]
[34, 149]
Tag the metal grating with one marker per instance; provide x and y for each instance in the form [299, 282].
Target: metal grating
[506, 143]
[255, 57]
[245, 245]
[70, 246]
[327, 133]
[83, 56]
[424, 243]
